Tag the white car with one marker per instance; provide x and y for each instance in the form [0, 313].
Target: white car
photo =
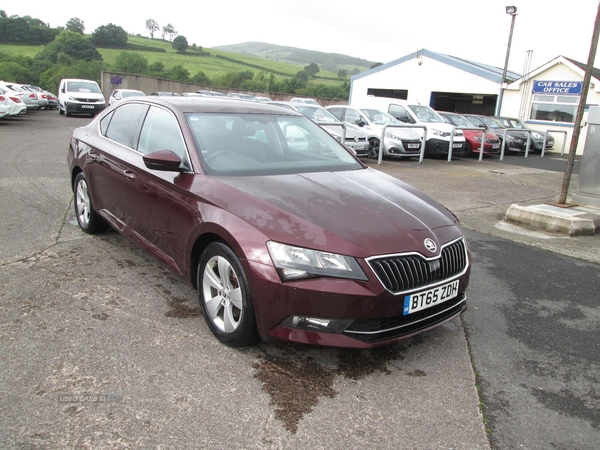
[398, 142]
[308, 101]
[17, 106]
[76, 96]
[120, 94]
[29, 98]
[4, 106]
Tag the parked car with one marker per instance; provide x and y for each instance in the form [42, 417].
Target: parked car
[308, 101]
[77, 96]
[4, 106]
[17, 106]
[264, 99]
[399, 142]
[515, 142]
[29, 98]
[211, 93]
[537, 138]
[473, 137]
[311, 247]
[241, 96]
[120, 94]
[355, 138]
[166, 94]
[46, 99]
[439, 131]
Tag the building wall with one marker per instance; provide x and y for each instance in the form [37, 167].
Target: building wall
[518, 97]
[421, 80]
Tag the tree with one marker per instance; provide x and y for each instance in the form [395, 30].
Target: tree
[178, 73]
[312, 69]
[303, 75]
[180, 44]
[75, 25]
[169, 30]
[152, 26]
[200, 78]
[72, 44]
[131, 62]
[342, 73]
[110, 36]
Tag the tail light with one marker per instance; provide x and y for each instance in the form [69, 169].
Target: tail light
[16, 99]
[2, 98]
[33, 96]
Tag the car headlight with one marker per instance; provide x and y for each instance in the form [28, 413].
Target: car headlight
[477, 138]
[296, 263]
[537, 135]
[440, 133]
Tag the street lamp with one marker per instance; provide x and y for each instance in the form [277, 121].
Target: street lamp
[512, 10]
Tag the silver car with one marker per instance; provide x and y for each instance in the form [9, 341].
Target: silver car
[398, 142]
[28, 97]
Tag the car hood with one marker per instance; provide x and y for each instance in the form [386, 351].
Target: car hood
[360, 213]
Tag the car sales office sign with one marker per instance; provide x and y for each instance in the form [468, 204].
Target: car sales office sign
[557, 87]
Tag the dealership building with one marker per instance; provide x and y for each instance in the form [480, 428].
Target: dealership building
[546, 98]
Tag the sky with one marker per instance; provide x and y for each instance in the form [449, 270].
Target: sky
[375, 30]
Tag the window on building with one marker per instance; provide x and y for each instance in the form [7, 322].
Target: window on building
[554, 108]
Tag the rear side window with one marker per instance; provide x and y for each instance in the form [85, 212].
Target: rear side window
[125, 124]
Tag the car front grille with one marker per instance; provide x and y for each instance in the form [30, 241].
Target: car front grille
[403, 273]
[87, 100]
[378, 330]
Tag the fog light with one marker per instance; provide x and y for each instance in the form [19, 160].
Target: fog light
[317, 324]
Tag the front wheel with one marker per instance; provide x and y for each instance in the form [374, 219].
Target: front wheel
[88, 219]
[468, 150]
[373, 148]
[225, 297]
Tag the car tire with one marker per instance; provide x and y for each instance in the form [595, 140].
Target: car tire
[67, 113]
[468, 150]
[373, 148]
[225, 297]
[87, 218]
[60, 111]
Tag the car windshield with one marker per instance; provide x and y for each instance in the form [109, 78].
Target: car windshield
[260, 144]
[317, 114]
[83, 86]
[460, 121]
[379, 117]
[426, 114]
[492, 123]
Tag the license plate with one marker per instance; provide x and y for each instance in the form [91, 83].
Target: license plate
[427, 299]
[414, 145]
[88, 106]
[459, 145]
[495, 146]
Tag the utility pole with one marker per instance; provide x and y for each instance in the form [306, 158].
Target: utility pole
[580, 109]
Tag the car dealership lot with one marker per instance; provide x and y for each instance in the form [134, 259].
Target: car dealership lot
[104, 347]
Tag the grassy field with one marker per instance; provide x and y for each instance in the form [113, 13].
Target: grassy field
[192, 61]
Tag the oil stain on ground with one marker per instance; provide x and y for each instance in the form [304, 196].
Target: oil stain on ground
[295, 381]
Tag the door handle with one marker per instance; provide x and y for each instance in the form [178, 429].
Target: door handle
[129, 174]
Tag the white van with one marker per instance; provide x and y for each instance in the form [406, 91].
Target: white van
[77, 96]
[438, 130]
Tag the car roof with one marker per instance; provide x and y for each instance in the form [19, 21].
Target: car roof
[212, 105]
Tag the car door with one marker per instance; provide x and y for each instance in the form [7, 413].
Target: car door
[162, 215]
[110, 175]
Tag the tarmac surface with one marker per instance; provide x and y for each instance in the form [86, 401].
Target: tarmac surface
[102, 347]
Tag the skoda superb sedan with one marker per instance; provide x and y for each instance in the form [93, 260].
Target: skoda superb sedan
[281, 242]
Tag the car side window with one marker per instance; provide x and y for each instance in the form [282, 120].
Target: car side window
[161, 132]
[337, 112]
[352, 116]
[125, 123]
[400, 113]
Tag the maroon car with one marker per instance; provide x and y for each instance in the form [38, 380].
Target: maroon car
[285, 234]
[473, 138]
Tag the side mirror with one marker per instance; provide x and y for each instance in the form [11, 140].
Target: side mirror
[164, 160]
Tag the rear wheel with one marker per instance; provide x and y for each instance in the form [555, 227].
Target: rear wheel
[468, 150]
[88, 219]
[225, 296]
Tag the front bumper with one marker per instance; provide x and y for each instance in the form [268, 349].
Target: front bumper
[440, 147]
[85, 108]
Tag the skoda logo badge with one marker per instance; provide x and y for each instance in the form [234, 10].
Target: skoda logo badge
[430, 245]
